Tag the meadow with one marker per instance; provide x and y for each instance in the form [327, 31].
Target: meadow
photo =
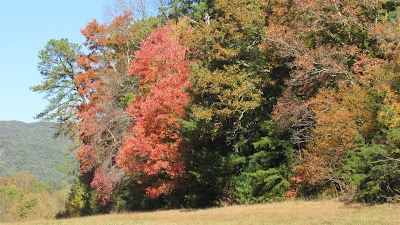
[288, 212]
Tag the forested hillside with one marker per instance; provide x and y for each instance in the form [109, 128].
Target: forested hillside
[219, 102]
[31, 148]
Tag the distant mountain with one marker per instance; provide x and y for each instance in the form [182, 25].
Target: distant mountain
[30, 147]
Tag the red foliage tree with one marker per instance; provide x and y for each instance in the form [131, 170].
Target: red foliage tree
[102, 121]
[154, 150]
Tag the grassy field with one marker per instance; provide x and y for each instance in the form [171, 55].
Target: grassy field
[290, 212]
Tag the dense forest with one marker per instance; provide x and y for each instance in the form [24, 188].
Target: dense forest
[31, 148]
[219, 102]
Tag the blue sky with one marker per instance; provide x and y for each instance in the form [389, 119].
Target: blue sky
[25, 28]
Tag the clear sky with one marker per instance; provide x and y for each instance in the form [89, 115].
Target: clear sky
[25, 28]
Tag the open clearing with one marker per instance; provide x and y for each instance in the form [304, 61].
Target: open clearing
[289, 212]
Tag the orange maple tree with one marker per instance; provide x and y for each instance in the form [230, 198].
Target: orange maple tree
[102, 121]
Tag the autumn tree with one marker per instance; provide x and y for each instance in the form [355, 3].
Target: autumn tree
[91, 87]
[319, 41]
[107, 91]
[338, 118]
[153, 153]
[353, 140]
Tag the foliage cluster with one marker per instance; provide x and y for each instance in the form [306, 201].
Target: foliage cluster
[24, 198]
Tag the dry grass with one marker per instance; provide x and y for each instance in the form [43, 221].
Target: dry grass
[290, 212]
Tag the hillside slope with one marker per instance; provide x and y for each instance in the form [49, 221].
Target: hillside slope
[31, 148]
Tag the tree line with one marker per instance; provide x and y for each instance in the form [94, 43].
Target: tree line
[215, 102]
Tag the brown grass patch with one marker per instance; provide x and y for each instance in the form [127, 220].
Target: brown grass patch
[289, 212]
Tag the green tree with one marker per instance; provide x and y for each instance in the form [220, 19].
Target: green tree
[267, 171]
[234, 89]
[195, 10]
[373, 168]
[58, 67]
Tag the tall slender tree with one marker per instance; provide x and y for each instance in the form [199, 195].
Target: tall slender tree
[154, 151]
[59, 69]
